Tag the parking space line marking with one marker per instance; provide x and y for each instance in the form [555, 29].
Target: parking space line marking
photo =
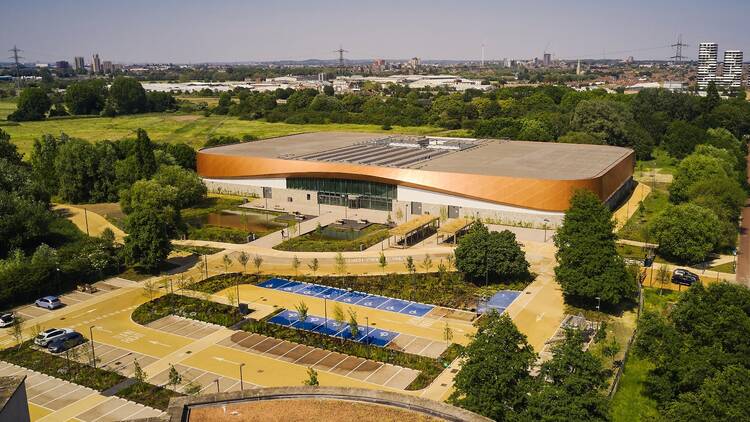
[426, 346]
[292, 349]
[355, 368]
[393, 376]
[302, 357]
[382, 365]
[37, 385]
[113, 410]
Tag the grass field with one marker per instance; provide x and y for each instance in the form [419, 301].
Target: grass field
[7, 106]
[637, 227]
[629, 404]
[192, 129]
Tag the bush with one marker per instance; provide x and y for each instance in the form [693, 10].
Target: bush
[316, 242]
[218, 234]
[188, 307]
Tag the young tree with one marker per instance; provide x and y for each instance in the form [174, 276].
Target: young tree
[353, 326]
[382, 262]
[312, 377]
[314, 265]
[447, 334]
[18, 330]
[427, 263]
[150, 289]
[174, 377]
[138, 373]
[227, 261]
[450, 261]
[301, 309]
[588, 263]
[338, 313]
[231, 295]
[295, 264]
[662, 276]
[340, 264]
[192, 388]
[257, 262]
[494, 379]
[243, 259]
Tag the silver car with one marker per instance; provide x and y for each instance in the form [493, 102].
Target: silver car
[45, 337]
[6, 320]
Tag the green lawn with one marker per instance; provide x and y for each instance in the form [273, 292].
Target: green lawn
[7, 106]
[637, 227]
[171, 127]
[319, 242]
[629, 404]
[660, 160]
[724, 268]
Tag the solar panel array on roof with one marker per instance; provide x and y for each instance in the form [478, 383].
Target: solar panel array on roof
[393, 151]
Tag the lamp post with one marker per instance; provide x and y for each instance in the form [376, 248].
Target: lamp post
[86, 217]
[598, 309]
[325, 312]
[367, 330]
[93, 352]
[546, 221]
[217, 385]
[241, 384]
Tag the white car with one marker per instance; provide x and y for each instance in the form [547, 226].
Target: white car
[45, 337]
[6, 320]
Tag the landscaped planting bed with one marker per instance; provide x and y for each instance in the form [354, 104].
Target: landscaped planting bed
[316, 241]
[149, 394]
[429, 368]
[188, 307]
[449, 289]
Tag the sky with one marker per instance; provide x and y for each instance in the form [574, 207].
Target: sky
[187, 31]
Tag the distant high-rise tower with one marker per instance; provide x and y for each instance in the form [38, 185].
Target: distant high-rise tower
[78, 64]
[547, 60]
[707, 62]
[731, 76]
[96, 64]
[578, 67]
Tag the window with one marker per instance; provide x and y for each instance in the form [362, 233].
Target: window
[288, 199]
[308, 196]
[371, 195]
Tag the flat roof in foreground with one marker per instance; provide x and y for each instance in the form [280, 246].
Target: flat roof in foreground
[540, 160]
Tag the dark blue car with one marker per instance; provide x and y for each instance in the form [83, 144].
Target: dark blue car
[65, 342]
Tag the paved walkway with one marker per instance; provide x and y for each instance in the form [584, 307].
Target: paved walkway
[626, 210]
[91, 220]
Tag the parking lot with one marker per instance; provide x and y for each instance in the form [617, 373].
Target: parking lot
[206, 380]
[323, 360]
[349, 297]
[184, 326]
[54, 397]
[32, 311]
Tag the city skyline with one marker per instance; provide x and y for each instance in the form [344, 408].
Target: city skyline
[187, 32]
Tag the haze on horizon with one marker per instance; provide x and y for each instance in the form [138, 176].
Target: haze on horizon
[192, 32]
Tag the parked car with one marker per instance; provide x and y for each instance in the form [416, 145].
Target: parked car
[45, 337]
[6, 320]
[66, 341]
[684, 277]
[49, 302]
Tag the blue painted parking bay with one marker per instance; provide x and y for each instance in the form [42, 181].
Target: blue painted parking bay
[499, 301]
[367, 335]
[348, 296]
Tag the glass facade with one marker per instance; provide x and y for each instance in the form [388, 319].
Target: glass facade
[347, 192]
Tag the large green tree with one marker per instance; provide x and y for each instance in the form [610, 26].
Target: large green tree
[588, 265]
[86, 97]
[682, 137]
[190, 188]
[494, 379]
[128, 96]
[686, 232]
[147, 244]
[482, 254]
[33, 104]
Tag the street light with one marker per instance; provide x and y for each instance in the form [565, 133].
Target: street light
[93, 352]
[546, 221]
[217, 385]
[367, 330]
[241, 385]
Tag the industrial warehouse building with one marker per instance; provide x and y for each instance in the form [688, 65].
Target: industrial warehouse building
[396, 176]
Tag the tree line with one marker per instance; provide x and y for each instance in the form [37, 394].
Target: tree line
[41, 251]
[91, 97]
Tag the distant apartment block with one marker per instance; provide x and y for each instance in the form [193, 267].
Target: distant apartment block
[731, 76]
[707, 64]
[96, 64]
[107, 67]
[78, 63]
